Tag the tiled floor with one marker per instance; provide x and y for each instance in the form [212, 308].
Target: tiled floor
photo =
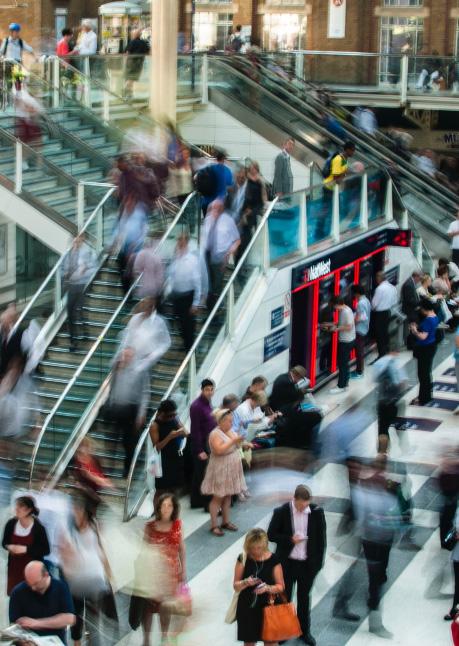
[412, 617]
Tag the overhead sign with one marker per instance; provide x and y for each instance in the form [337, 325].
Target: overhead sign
[307, 273]
[336, 18]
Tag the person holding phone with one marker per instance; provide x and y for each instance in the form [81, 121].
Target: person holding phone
[257, 576]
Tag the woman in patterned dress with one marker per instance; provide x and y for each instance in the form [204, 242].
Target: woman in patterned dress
[224, 476]
[165, 533]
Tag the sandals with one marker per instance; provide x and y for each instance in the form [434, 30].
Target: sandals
[217, 531]
[230, 527]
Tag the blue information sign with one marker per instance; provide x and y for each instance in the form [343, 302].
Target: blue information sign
[277, 317]
[275, 343]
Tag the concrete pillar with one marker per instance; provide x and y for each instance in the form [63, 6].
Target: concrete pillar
[163, 74]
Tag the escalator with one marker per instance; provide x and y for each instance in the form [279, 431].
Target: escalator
[105, 312]
[273, 111]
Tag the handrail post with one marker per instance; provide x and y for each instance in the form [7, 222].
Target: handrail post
[299, 65]
[205, 80]
[388, 204]
[56, 81]
[192, 377]
[303, 226]
[404, 79]
[100, 230]
[230, 312]
[404, 223]
[364, 203]
[335, 215]
[57, 293]
[106, 106]
[86, 82]
[18, 168]
[80, 206]
[265, 255]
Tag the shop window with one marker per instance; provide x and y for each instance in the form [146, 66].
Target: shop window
[212, 29]
[284, 31]
[290, 3]
[399, 36]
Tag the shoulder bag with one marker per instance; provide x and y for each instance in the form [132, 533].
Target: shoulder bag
[230, 616]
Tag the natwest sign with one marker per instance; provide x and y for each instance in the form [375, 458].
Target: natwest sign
[318, 270]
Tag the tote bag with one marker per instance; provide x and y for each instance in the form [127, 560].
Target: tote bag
[230, 616]
[280, 622]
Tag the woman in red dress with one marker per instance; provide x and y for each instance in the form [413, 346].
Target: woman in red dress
[25, 540]
[165, 533]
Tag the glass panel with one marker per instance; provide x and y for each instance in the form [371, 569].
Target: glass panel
[284, 227]
[319, 209]
[433, 75]
[34, 261]
[376, 188]
[350, 196]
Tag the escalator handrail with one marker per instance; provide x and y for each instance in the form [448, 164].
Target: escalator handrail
[147, 120]
[362, 138]
[91, 352]
[184, 365]
[58, 265]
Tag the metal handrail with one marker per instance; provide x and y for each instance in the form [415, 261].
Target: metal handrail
[95, 347]
[196, 343]
[453, 201]
[367, 140]
[58, 264]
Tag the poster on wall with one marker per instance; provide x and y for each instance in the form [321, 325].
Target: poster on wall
[336, 18]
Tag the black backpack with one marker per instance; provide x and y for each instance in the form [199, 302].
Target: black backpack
[205, 181]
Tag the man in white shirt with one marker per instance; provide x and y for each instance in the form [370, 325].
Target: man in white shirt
[185, 282]
[346, 341]
[87, 45]
[384, 299]
[249, 412]
[220, 240]
[453, 232]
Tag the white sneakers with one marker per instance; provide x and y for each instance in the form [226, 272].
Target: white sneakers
[338, 391]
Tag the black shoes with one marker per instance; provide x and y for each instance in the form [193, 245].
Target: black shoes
[344, 613]
[307, 639]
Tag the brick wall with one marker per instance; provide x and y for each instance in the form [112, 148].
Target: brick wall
[28, 17]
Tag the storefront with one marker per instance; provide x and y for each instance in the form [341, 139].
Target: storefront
[284, 25]
[316, 282]
[117, 20]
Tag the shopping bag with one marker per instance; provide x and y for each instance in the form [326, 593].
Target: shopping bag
[280, 622]
[155, 467]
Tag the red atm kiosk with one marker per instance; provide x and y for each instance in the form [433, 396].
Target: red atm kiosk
[314, 284]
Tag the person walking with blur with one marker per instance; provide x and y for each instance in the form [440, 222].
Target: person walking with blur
[424, 350]
[283, 176]
[167, 434]
[136, 49]
[77, 268]
[185, 282]
[202, 423]
[255, 199]
[384, 299]
[165, 533]
[224, 475]
[25, 540]
[215, 181]
[149, 264]
[129, 236]
[220, 240]
[362, 317]
[87, 573]
[299, 530]
[257, 575]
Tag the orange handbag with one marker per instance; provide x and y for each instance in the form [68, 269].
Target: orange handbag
[280, 622]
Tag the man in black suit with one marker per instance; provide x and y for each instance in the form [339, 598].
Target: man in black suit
[410, 297]
[298, 528]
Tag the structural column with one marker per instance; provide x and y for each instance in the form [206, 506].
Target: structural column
[163, 69]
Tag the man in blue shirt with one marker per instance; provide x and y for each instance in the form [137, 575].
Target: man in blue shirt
[42, 604]
[223, 178]
[362, 316]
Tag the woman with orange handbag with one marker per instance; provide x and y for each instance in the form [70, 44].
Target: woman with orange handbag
[256, 577]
